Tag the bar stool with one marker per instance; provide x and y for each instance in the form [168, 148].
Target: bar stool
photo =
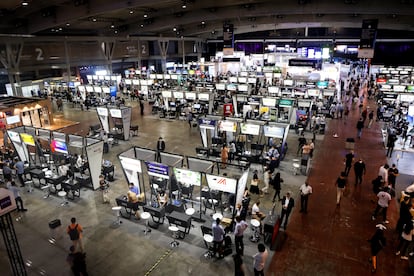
[174, 229]
[62, 194]
[145, 216]
[217, 216]
[190, 211]
[46, 192]
[29, 185]
[208, 240]
[296, 166]
[117, 211]
[255, 227]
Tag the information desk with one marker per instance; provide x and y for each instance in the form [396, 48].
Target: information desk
[180, 220]
[130, 207]
[157, 214]
[71, 187]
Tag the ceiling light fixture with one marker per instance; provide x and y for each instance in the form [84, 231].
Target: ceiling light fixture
[184, 6]
[174, 29]
[145, 15]
[202, 22]
[67, 24]
[25, 3]
[142, 25]
[94, 19]
[131, 12]
[112, 25]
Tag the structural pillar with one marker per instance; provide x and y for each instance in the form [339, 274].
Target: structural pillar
[11, 60]
[163, 45]
[12, 246]
[108, 48]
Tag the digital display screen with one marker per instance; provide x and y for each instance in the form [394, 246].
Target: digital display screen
[220, 86]
[274, 131]
[187, 177]
[228, 126]
[59, 146]
[250, 129]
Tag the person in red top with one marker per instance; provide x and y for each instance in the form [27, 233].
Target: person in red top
[74, 231]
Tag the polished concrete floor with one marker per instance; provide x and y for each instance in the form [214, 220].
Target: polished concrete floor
[326, 241]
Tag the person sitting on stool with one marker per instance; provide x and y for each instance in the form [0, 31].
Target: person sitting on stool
[63, 169]
[162, 199]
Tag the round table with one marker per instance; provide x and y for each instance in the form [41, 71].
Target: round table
[190, 211]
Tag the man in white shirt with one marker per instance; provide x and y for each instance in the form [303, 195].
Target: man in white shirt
[241, 225]
[305, 192]
[384, 197]
[63, 169]
[259, 260]
[383, 171]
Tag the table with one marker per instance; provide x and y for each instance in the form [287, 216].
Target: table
[73, 186]
[180, 220]
[157, 214]
[130, 207]
[37, 174]
[56, 182]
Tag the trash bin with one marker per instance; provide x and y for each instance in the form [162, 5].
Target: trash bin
[350, 143]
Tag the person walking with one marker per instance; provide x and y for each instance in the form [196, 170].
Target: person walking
[266, 179]
[19, 167]
[239, 229]
[392, 175]
[340, 187]
[141, 105]
[17, 197]
[359, 126]
[405, 239]
[276, 183]
[75, 231]
[224, 156]
[305, 192]
[218, 237]
[287, 205]
[239, 269]
[349, 158]
[377, 241]
[76, 261]
[370, 118]
[391, 144]
[384, 198]
[360, 170]
[259, 260]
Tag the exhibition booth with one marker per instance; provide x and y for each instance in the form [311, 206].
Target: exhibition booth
[44, 149]
[115, 121]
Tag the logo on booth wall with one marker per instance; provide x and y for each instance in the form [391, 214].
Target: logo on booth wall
[222, 181]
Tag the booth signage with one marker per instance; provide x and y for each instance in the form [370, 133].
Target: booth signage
[223, 184]
[131, 164]
[274, 131]
[115, 113]
[187, 177]
[157, 169]
[14, 136]
[228, 126]
[102, 111]
[7, 202]
[303, 62]
[250, 129]
[206, 122]
[390, 95]
[27, 139]
[285, 102]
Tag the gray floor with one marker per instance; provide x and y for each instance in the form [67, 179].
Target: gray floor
[125, 250]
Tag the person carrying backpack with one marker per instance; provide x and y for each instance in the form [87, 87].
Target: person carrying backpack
[74, 231]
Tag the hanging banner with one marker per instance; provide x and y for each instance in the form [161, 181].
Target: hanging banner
[220, 183]
[368, 36]
[126, 121]
[94, 153]
[131, 168]
[103, 118]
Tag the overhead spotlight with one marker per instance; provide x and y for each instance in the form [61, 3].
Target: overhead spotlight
[94, 19]
[112, 25]
[184, 5]
[174, 29]
[116, 31]
[142, 25]
[131, 12]
[203, 22]
[67, 24]
[25, 3]
[145, 15]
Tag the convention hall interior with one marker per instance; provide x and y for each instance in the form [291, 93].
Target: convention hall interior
[190, 137]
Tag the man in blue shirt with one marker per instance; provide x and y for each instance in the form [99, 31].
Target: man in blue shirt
[218, 236]
[133, 188]
[19, 167]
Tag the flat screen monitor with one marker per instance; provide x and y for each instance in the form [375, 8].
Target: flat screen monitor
[233, 79]
[288, 82]
[187, 177]
[190, 95]
[203, 96]
[322, 84]
[178, 95]
[410, 88]
[166, 94]
[250, 129]
[220, 86]
[106, 89]
[13, 119]
[81, 88]
[242, 80]
[243, 88]
[268, 75]
[385, 87]
[196, 106]
[89, 88]
[274, 131]
[59, 146]
[153, 76]
[231, 87]
[399, 88]
[27, 139]
[174, 77]
[135, 82]
[269, 102]
[97, 89]
[393, 81]
[273, 89]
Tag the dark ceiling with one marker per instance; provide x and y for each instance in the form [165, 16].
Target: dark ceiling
[204, 19]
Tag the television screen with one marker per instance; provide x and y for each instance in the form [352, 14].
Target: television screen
[322, 84]
[166, 94]
[231, 87]
[233, 79]
[187, 177]
[27, 139]
[178, 95]
[172, 103]
[410, 88]
[196, 106]
[59, 146]
[274, 131]
[273, 89]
